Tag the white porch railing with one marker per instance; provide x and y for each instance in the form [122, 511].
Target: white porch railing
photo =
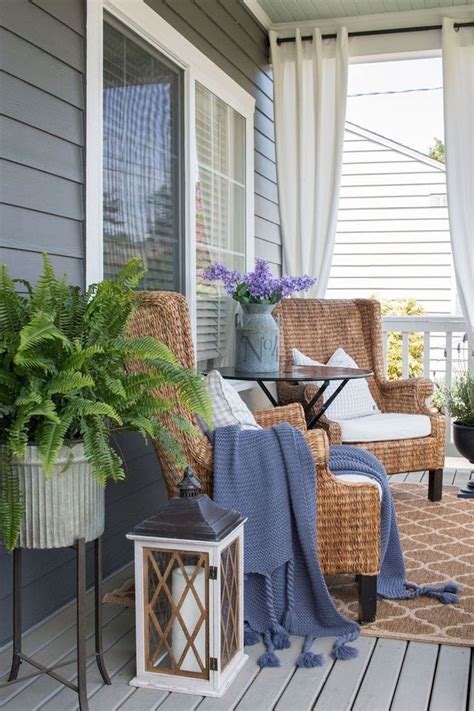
[446, 349]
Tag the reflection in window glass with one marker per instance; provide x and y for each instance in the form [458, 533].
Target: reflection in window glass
[220, 218]
[142, 160]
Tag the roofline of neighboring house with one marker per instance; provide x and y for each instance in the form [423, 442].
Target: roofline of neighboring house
[394, 145]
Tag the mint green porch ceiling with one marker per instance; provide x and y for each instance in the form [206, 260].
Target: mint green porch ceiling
[300, 10]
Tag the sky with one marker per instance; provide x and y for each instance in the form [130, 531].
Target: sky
[413, 118]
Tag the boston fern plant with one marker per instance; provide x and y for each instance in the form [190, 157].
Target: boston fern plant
[64, 378]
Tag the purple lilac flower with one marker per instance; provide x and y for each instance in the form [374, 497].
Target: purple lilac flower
[219, 272]
[261, 283]
[290, 285]
[259, 286]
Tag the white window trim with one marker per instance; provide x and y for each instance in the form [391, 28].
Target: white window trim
[145, 22]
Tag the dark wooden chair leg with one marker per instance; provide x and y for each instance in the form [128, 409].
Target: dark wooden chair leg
[367, 598]
[435, 484]
[17, 624]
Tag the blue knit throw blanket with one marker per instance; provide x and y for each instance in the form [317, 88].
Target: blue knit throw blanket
[269, 476]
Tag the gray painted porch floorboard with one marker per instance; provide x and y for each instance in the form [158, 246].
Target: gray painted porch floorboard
[388, 675]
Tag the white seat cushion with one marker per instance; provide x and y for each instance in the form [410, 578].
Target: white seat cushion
[354, 400]
[228, 408]
[384, 426]
[360, 479]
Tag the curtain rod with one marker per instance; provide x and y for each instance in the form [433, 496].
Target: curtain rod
[369, 33]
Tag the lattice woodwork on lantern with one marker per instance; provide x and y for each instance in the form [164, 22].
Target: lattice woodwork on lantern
[230, 622]
[176, 624]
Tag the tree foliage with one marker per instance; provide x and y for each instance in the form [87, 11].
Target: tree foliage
[436, 151]
[64, 377]
[403, 307]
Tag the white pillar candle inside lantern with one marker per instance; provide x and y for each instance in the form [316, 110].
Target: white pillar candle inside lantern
[189, 595]
[190, 613]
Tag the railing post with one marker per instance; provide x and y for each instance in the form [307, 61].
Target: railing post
[426, 354]
[405, 354]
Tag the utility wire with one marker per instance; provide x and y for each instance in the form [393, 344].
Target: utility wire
[396, 91]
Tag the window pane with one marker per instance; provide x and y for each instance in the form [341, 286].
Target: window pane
[142, 160]
[220, 219]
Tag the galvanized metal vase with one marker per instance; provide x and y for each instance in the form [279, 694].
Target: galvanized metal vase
[63, 507]
[257, 339]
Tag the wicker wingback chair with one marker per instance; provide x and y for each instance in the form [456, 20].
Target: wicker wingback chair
[317, 327]
[348, 514]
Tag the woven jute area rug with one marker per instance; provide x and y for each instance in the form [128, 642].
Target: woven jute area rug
[438, 544]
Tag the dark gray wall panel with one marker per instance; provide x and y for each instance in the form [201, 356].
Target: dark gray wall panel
[25, 61]
[266, 188]
[36, 149]
[267, 250]
[43, 31]
[70, 12]
[266, 230]
[50, 114]
[27, 265]
[40, 232]
[35, 190]
[266, 209]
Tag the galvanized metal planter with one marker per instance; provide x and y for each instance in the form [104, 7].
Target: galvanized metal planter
[257, 339]
[63, 507]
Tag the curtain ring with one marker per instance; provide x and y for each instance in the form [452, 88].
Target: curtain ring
[456, 27]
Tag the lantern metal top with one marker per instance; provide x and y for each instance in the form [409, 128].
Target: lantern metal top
[192, 515]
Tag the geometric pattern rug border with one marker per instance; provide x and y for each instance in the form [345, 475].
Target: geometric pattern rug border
[438, 544]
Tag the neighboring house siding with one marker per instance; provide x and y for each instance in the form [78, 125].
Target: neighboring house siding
[42, 191]
[230, 36]
[392, 234]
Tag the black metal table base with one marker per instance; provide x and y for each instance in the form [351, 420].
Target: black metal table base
[81, 661]
[312, 422]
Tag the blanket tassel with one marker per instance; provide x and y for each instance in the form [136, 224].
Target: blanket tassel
[307, 658]
[251, 637]
[281, 638]
[268, 658]
[446, 594]
[341, 650]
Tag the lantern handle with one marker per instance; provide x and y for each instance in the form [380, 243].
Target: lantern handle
[190, 485]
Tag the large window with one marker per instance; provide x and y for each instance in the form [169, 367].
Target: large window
[169, 164]
[220, 218]
[142, 160]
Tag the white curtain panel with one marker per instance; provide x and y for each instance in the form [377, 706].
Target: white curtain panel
[458, 80]
[310, 85]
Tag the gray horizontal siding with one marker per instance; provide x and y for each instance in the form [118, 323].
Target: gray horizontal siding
[230, 36]
[42, 193]
[391, 240]
[42, 139]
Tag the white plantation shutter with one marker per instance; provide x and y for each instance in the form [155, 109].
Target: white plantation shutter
[220, 219]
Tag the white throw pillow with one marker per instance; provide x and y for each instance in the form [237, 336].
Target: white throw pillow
[354, 400]
[228, 408]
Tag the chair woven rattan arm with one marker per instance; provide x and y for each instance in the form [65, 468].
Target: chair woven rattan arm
[408, 396]
[293, 414]
[348, 518]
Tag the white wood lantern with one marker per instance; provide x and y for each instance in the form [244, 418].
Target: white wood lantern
[189, 595]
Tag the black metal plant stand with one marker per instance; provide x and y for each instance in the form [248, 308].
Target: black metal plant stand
[81, 660]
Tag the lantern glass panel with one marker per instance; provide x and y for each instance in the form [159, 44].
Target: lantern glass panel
[230, 623]
[176, 587]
